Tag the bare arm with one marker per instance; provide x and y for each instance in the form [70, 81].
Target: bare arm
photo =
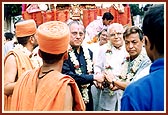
[10, 72]
[110, 77]
[68, 104]
[121, 84]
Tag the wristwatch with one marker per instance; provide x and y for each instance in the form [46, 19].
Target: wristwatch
[113, 81]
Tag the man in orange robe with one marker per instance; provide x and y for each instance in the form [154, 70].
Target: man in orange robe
[18, 60]
[46, 88]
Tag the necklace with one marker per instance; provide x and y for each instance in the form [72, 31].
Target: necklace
[45, 73]
[89, 66]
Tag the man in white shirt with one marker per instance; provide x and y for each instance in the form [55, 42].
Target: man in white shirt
[110, 58]
[97, 26]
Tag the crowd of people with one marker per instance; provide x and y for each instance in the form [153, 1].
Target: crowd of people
[53, 68]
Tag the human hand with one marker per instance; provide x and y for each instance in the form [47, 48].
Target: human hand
[113, 88]
[109, 76]
[99, 77]
[98, 84]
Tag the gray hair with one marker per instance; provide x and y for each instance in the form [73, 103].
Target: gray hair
[114, 25]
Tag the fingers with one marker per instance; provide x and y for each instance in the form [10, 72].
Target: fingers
[99, 77]
[114, 88]
[104, 80]
[100, 85]
[95, 83]
[111, 86]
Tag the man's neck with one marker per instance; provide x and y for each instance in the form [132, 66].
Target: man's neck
[118, 47]
[77, 49]
[57, 66]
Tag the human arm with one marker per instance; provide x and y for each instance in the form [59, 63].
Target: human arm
[68, 69]
[121, 84]
[68, 103]
[83, 78]
[10, 73]
[126, 104]
[130, 99]
[111, 79]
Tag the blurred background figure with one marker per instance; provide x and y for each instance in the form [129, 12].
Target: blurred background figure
[8, 42]
[96, 26]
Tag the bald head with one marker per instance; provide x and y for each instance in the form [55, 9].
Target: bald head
[115, 27]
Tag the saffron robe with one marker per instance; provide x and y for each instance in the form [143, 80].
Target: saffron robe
[47, 95]
[23, 63]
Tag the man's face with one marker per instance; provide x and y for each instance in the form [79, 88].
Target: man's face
[107, 22]
[133, 45]
[35, 44]
[76, 35]
[103, 38]
[116, 36]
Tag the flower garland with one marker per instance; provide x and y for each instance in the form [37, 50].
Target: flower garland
[108, 56]
[78, 70]
[34, 58]
[23, 49]
[107, 62]
[130, 68]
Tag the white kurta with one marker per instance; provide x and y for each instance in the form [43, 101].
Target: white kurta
[102, 99]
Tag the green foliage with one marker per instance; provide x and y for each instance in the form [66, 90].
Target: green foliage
[135, 10]
[11, 10]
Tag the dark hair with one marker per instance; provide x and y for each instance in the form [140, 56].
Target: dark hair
[8, 36]
[50, 58]
[23, 40]
[132, 30]
[101, 32]
[153, 27]
[107, 16]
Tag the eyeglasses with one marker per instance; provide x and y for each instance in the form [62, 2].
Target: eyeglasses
[76, 33]
[113, 35]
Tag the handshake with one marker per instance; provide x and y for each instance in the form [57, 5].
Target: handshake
[104, 80]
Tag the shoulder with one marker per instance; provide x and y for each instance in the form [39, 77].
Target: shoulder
[94, 23]
[10, 57]
[103, 48]
[86, 49]
[140, 85]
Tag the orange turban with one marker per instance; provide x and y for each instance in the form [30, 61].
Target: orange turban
[53, 37]
[25, 28]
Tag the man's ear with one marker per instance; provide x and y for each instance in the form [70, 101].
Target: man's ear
[32, 39]
[148, 43]
[65, 57]
[145, 40]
